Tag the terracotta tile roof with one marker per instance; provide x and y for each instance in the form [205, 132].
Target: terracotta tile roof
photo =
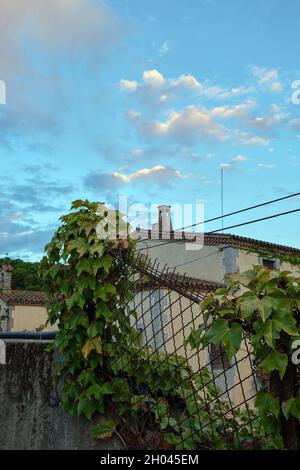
[223, 239]
[249, 244]
[23, 297]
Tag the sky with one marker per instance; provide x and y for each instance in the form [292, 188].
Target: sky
[148, 99]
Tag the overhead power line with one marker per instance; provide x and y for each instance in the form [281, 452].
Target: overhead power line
[256, 206]
[230, 227]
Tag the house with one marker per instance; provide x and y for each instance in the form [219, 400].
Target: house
[20, 310]
[208, 256]
[206, 259]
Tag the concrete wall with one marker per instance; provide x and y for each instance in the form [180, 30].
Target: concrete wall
[29, 415]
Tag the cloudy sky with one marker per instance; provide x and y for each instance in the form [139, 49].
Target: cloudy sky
[148, 99]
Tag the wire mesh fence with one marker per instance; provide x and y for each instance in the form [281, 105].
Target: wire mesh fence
[199, 398]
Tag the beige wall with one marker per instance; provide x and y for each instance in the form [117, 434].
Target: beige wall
[28, 318]
[203, 263]
[247, 260]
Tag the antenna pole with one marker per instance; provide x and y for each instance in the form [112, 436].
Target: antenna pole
[222, 198]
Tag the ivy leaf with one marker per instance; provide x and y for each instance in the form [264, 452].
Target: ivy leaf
[105, 292]
[104, 430]
[275, 361]
[230, 336]
[104, 311]
[104, 262]
[84, 283]
[80, 245]
[98, 248]
[265, 307]
[217, 331]
[232, 339]
[271, 332]
[248, 304]
[285, 321]
[86, 407]
[90, 345]
[267, 403]
[83, 265]
[291, 407]
[195, 337]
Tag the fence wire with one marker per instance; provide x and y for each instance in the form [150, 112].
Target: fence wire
[200, 399]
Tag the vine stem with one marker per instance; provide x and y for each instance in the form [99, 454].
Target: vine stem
[121, 439]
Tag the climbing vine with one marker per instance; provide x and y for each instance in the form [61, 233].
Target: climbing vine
[130, 390]
[264, 306]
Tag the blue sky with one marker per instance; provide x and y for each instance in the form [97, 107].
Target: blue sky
[147, 99]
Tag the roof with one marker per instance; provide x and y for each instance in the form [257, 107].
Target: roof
[185, 282]
[23, 297]
[6, 267]
[221, 240]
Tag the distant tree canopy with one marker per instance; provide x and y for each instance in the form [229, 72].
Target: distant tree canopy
[24, 275]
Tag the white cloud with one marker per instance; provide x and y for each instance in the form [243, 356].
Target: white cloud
[265, 165]
[227, 166]
[158, 174]
[129, 85]
[183, 83]
[56, 27]
[194, 122]
[153, 78]
[268, 78]
[165, 47]
[240, 159]
[190, 123]
[137, 152]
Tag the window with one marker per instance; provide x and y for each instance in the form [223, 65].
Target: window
[269, 263]
[218, 357]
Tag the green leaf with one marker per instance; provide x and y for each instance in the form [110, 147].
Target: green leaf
[230, 336]
[86, 407]
[195, 337]
[80, 245]
[105, 292]
[267, 403]
[217, 331]
[271, 332]
[104, 311]
[104, 430]
[265, 307]
[104, 262]
[291, 407]
[275, 361]
[232, 339]
[248, 304]
[284, 320]
[83, 265]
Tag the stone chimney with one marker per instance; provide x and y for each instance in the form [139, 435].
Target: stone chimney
[164, 220]
[5, 277]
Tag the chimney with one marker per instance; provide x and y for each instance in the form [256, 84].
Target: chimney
[5, 277]
[164, 221]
